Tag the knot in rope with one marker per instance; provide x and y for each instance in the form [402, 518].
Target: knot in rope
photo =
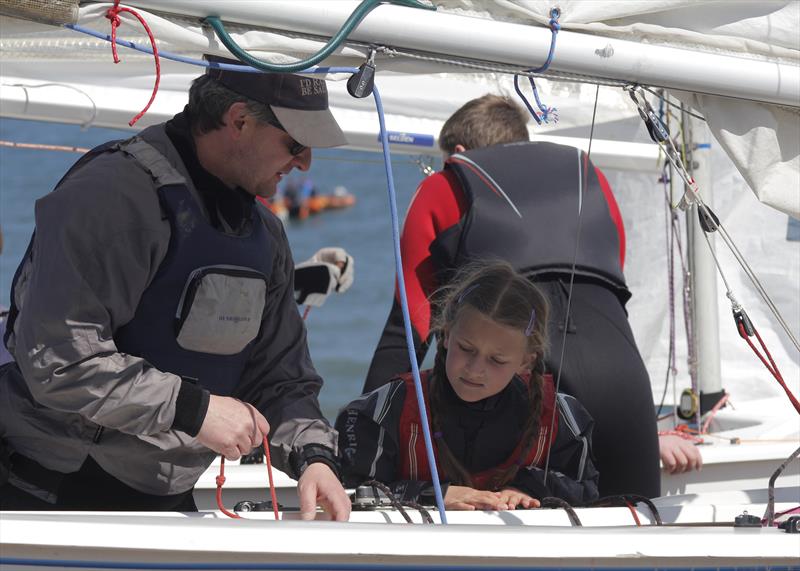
[555, 14]
[112, 14]
[545, 114]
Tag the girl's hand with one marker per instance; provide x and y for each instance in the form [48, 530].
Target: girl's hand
[514, 499]
[464, 498]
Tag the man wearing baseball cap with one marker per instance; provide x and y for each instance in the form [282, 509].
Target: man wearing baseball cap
[154, 323]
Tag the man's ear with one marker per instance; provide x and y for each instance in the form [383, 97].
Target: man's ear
[460, 148]
[236, 117]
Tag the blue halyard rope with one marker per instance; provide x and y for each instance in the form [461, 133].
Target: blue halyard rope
[395, 227]
[546, 112]
[401, 288]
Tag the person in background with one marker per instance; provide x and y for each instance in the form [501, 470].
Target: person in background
[490, 408]
[503, 196]
[173, 334]
[329, 270]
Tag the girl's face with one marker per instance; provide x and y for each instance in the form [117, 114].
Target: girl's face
[483, 355]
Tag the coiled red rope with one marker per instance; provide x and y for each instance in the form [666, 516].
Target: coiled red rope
[113, 15]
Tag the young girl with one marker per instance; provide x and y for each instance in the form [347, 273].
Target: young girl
[491, 409]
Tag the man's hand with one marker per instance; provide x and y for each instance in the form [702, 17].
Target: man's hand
[232, 428]
[318, 485]
[678, 454]
[465, 498]
[328, 270]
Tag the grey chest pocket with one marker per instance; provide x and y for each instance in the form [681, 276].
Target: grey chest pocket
[220, 309]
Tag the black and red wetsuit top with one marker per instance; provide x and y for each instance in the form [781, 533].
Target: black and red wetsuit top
[484, 205]
[380, 437]
[413, 456]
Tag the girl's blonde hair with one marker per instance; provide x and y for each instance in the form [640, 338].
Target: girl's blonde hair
[496, 290]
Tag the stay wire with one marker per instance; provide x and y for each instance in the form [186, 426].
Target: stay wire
[584, 179]
[692, 196]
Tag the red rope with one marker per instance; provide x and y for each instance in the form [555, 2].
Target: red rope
[683, 431]
[113, 15]
[771, 366]
[271, 482]
[712, 413]
[221, 482]
[633, 512]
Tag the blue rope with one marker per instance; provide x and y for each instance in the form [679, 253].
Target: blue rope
[547, 113]
[401, 287]
[395, 226]
[198, 62]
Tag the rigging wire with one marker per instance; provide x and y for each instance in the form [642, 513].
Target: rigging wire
[694, 372]
[709, 221]
[583, 180]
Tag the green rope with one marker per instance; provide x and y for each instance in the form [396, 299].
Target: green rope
[355, 18]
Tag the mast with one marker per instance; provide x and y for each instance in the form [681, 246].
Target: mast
[704, 354]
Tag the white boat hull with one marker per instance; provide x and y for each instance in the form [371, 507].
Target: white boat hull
[695, 535]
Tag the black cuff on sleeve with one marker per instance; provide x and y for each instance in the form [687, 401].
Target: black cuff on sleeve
[190, 408]
[300, 460]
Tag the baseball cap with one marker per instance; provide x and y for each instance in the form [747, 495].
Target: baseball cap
[300, 103]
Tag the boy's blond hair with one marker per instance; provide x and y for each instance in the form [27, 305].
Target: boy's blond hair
[483, 122]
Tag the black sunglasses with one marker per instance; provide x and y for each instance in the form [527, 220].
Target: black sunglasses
[295, 148]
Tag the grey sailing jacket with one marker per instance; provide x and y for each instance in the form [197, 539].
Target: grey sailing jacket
[100, 240]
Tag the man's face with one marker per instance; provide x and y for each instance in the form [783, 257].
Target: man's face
[263, 157]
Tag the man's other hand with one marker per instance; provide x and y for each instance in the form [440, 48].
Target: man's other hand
[318, 485]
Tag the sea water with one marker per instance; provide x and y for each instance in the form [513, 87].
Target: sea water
[344, 332]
